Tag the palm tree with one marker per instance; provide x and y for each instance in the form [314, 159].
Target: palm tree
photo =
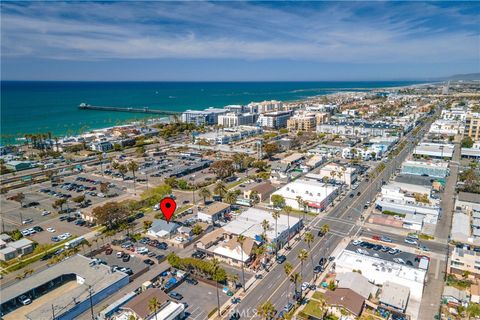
[19, 197]
[241, 241]
[205, 193]
[333, 174]
[231, 197]
[265, 226]
[308, 238]
[303, 205]
[325, 229]
[276, 215]
[266, 310]
[133, 166]
[215, 267]
[115, 165]
[288, 268]
[220, 188]
[302, 256]
[288, 210]
[255, 197]
[122, 169]
[154, 305]
[295, 278]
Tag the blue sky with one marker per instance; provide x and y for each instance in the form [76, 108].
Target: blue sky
[238, 41]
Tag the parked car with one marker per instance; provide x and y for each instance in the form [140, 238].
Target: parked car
[23, 299]
[109, 251]
[411, 241]
[191, 281]
[281, 259]
[175, 295]
[385, 239]
[27, 221]
[149, 262]
[120, 254]
[126, 258]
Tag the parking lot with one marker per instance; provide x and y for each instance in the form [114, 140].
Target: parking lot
[201, 299]
[135, 263]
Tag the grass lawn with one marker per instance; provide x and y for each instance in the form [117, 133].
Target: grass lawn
[313, 308]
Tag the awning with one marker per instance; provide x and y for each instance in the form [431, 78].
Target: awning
[314, 205]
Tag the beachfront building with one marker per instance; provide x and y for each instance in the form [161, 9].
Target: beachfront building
[265, 106]
[429, 168]
[274, 120]
[315, 195]
[232, 119]
[207, 117]
[306, 121]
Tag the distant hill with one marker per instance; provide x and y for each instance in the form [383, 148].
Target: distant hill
[467, 76]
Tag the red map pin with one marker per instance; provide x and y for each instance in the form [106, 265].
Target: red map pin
[168, 206]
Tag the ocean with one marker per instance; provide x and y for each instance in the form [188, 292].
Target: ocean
[50, 106]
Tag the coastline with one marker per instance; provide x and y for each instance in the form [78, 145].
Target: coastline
[98, 121]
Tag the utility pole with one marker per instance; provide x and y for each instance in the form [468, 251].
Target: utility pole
[90, 298]
[53, 312]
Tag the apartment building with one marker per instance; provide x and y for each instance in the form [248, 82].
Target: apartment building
[274, 120]
[203, 117]
[472, 126]
[359, 128]
[446, 127]
[302, 122]
[233, 119]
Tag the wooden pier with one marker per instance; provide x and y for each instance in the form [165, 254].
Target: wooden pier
[84, 106]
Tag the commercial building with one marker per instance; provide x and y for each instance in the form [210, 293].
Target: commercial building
[315, 196]
[274, 120]
[471, 153]
[88, 284]
[360, 128]
[231, 119]
[229, 135]
[18, 165]
[434, 150]
[335, 172]
[224, 246]
[203, 117]
[102, 146]
[263, 190]
[249, 224]
[11, 250]
[445, 127]
[139, 307]
[381, 267]
[405, 199]
[430, 168]
[394, 296]
[213, 212]
[472, 126]
[455, 113]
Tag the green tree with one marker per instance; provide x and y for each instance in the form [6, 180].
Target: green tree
[220, 188]
[133, 166]
[287, 210]
[122, 169]
[110, 213]
[154, 305]
[231, 197]
[215, 267]
[255, 197]
[467, 142]
[302, 256]
[271, 149]
[79, 199]
[276, 215]
[197, 229]
[205, 194]
[266, 310]
[222, 168]
[325, 229]
[265, 227]
[241, 240]
[309, 238]
[278, 201]
[147, 224]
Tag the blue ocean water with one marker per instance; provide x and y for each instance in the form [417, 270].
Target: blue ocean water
[40, 107]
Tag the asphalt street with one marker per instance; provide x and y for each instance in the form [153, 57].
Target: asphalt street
[342, 221]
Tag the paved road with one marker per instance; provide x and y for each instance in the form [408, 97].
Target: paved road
[342, 221]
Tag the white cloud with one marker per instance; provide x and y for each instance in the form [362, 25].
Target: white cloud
[333, 32]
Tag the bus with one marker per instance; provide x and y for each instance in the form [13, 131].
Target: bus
[74, 243]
